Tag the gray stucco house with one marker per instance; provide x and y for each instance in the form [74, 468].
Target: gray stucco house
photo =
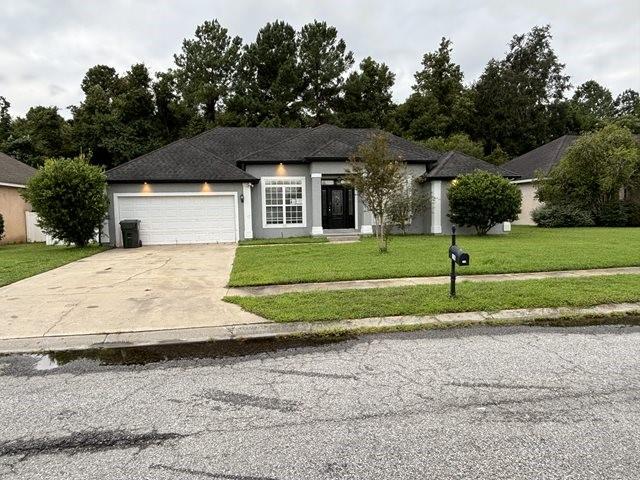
[229, 184]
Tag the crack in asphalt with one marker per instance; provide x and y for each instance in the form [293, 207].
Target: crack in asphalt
[202, 473]
[314, 374]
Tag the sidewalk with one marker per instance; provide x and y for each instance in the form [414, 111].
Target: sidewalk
[411, 281]
[274, 330]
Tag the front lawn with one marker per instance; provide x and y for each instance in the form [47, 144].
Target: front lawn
[28, 259]
[525, 249]
[434, 299]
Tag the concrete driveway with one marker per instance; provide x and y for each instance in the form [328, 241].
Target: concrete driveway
[148, 288]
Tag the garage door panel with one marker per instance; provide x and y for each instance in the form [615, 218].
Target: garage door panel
[182, 219]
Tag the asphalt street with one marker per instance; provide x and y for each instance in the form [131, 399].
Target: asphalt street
[506, 403]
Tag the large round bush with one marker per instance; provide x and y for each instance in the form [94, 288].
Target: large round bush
[69, 196]
[482, 200]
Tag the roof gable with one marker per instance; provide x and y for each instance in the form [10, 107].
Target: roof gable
[14, 171]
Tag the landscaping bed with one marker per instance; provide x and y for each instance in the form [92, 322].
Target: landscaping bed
[25, 260]
[434, 299]
[282, 241]
[525, 249]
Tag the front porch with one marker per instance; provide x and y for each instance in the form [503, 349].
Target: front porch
[336, 209]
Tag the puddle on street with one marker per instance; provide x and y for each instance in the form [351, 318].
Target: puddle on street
[45, 362]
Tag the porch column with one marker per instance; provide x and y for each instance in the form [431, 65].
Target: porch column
[316, 204]
[436, 206]
[246, 206]
[367, 219]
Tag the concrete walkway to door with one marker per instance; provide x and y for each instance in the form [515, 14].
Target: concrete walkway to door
[132, 290]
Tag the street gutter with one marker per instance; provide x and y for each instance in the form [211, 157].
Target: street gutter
[625, 313]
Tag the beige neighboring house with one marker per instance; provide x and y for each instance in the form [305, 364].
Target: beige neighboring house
[541, 159]
[13, 177]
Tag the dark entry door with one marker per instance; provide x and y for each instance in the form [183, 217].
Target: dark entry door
[337, 207]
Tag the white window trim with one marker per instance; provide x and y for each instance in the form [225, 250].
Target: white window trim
[117, 196]
[263, 182]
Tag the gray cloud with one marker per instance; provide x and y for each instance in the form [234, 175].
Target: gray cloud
[46, 47]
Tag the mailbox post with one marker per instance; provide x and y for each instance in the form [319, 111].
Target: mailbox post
[458, 257]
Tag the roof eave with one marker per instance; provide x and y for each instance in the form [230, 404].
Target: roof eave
[174, 180]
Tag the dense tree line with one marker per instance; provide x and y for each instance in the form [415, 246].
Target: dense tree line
[289, 78]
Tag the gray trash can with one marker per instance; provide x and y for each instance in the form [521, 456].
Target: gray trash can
[130, 233]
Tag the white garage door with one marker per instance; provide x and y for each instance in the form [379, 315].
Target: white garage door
[181, 219]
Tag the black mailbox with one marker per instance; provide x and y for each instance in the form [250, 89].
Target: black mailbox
[458, 255]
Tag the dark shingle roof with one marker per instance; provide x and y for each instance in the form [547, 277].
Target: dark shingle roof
[180, 162]
[452, 164]
[14, 171]
[329, 142]
[231, 143]
[215, 154]
[542, 158]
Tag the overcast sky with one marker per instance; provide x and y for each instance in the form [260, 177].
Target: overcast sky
[47, 46]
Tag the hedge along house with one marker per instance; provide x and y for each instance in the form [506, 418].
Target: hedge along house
[14, 176]
[229, 184]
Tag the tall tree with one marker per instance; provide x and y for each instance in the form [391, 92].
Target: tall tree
[206, 68]
[172, 114]
[367, 99]
[42, 133]
[269, 79]
[627, 107]
[324, 60]
[627, 103]
[116, 121]
[440, 104]
[515, 96]
[5, 120]
[590, 105]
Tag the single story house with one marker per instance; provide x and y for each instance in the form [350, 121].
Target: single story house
[234, 183]
[541, 159]
[13, 177]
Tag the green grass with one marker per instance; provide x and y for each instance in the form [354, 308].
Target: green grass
[28, 259]
[283, 241]
[525, 249]
[434, 299]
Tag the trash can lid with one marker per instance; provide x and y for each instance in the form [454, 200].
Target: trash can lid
[129, 222]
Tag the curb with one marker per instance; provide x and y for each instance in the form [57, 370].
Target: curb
[268, 330]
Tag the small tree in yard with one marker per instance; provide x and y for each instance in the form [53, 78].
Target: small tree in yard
[482, 200]
[378, 175]
[409, 202]
[1, 227]
[69, 196]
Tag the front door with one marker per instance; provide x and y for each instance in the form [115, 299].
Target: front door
[337, 207]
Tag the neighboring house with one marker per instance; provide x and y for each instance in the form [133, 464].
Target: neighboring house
[13, 178]
[541, 159]
[229, 184]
